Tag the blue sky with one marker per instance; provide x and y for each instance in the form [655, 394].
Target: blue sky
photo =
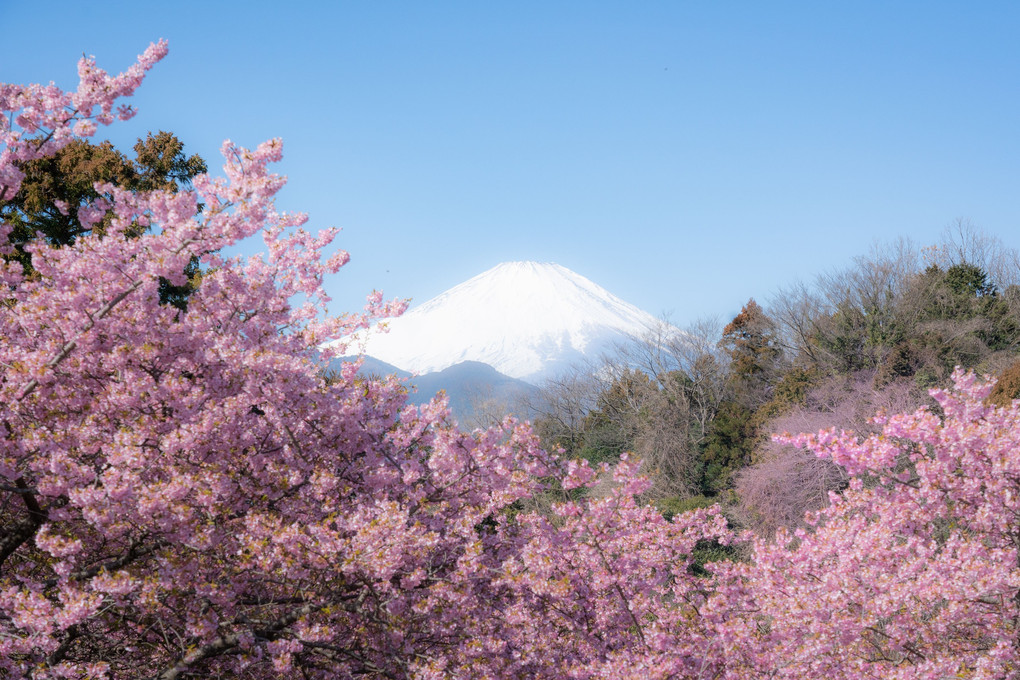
[685, 155]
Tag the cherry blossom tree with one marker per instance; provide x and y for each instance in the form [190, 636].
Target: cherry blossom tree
[913, 571]
[188, 495]
[787, 482]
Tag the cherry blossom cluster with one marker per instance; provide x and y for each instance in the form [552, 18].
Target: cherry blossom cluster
[912, 572]
[37, 120]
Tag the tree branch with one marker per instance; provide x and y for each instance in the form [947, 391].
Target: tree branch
[70, 345]
[133, 553]
[24, 530]
[224, 643]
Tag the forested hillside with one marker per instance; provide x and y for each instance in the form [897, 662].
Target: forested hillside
[700, 407]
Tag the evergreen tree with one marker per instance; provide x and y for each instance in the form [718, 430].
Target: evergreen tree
[752, 343]
[56, 189]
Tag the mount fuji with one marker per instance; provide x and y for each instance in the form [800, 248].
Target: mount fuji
[527, 320]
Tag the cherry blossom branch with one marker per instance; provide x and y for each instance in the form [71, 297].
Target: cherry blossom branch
[224, 643]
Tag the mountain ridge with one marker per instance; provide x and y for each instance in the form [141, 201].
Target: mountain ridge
[528, 320]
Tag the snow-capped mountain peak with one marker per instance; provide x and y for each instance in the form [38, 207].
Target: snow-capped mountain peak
[527, 320]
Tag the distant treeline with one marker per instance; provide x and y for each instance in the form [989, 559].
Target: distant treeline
[699, 406]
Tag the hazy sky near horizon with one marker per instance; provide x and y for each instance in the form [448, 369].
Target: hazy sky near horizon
[684, 155]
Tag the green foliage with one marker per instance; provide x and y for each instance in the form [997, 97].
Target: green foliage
[901, 362]
[790, 391]
[954, 293]
[750, 340]
[160, 164]
[960, 319]
[968, 280]
[68, 178]
[927, 378]
[611, 427]
[675, 505]
[850, 335]
[1004, 331]
[605, 444]
[916, 323]
[752, 343]
[556, 437]
[706, 552]
[728, 446]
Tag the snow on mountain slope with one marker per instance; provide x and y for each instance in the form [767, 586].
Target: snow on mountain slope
[527, 320]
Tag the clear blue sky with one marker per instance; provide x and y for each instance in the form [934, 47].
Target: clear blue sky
[685, 155]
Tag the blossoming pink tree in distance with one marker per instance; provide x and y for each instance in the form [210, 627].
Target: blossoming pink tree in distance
[185, 495]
